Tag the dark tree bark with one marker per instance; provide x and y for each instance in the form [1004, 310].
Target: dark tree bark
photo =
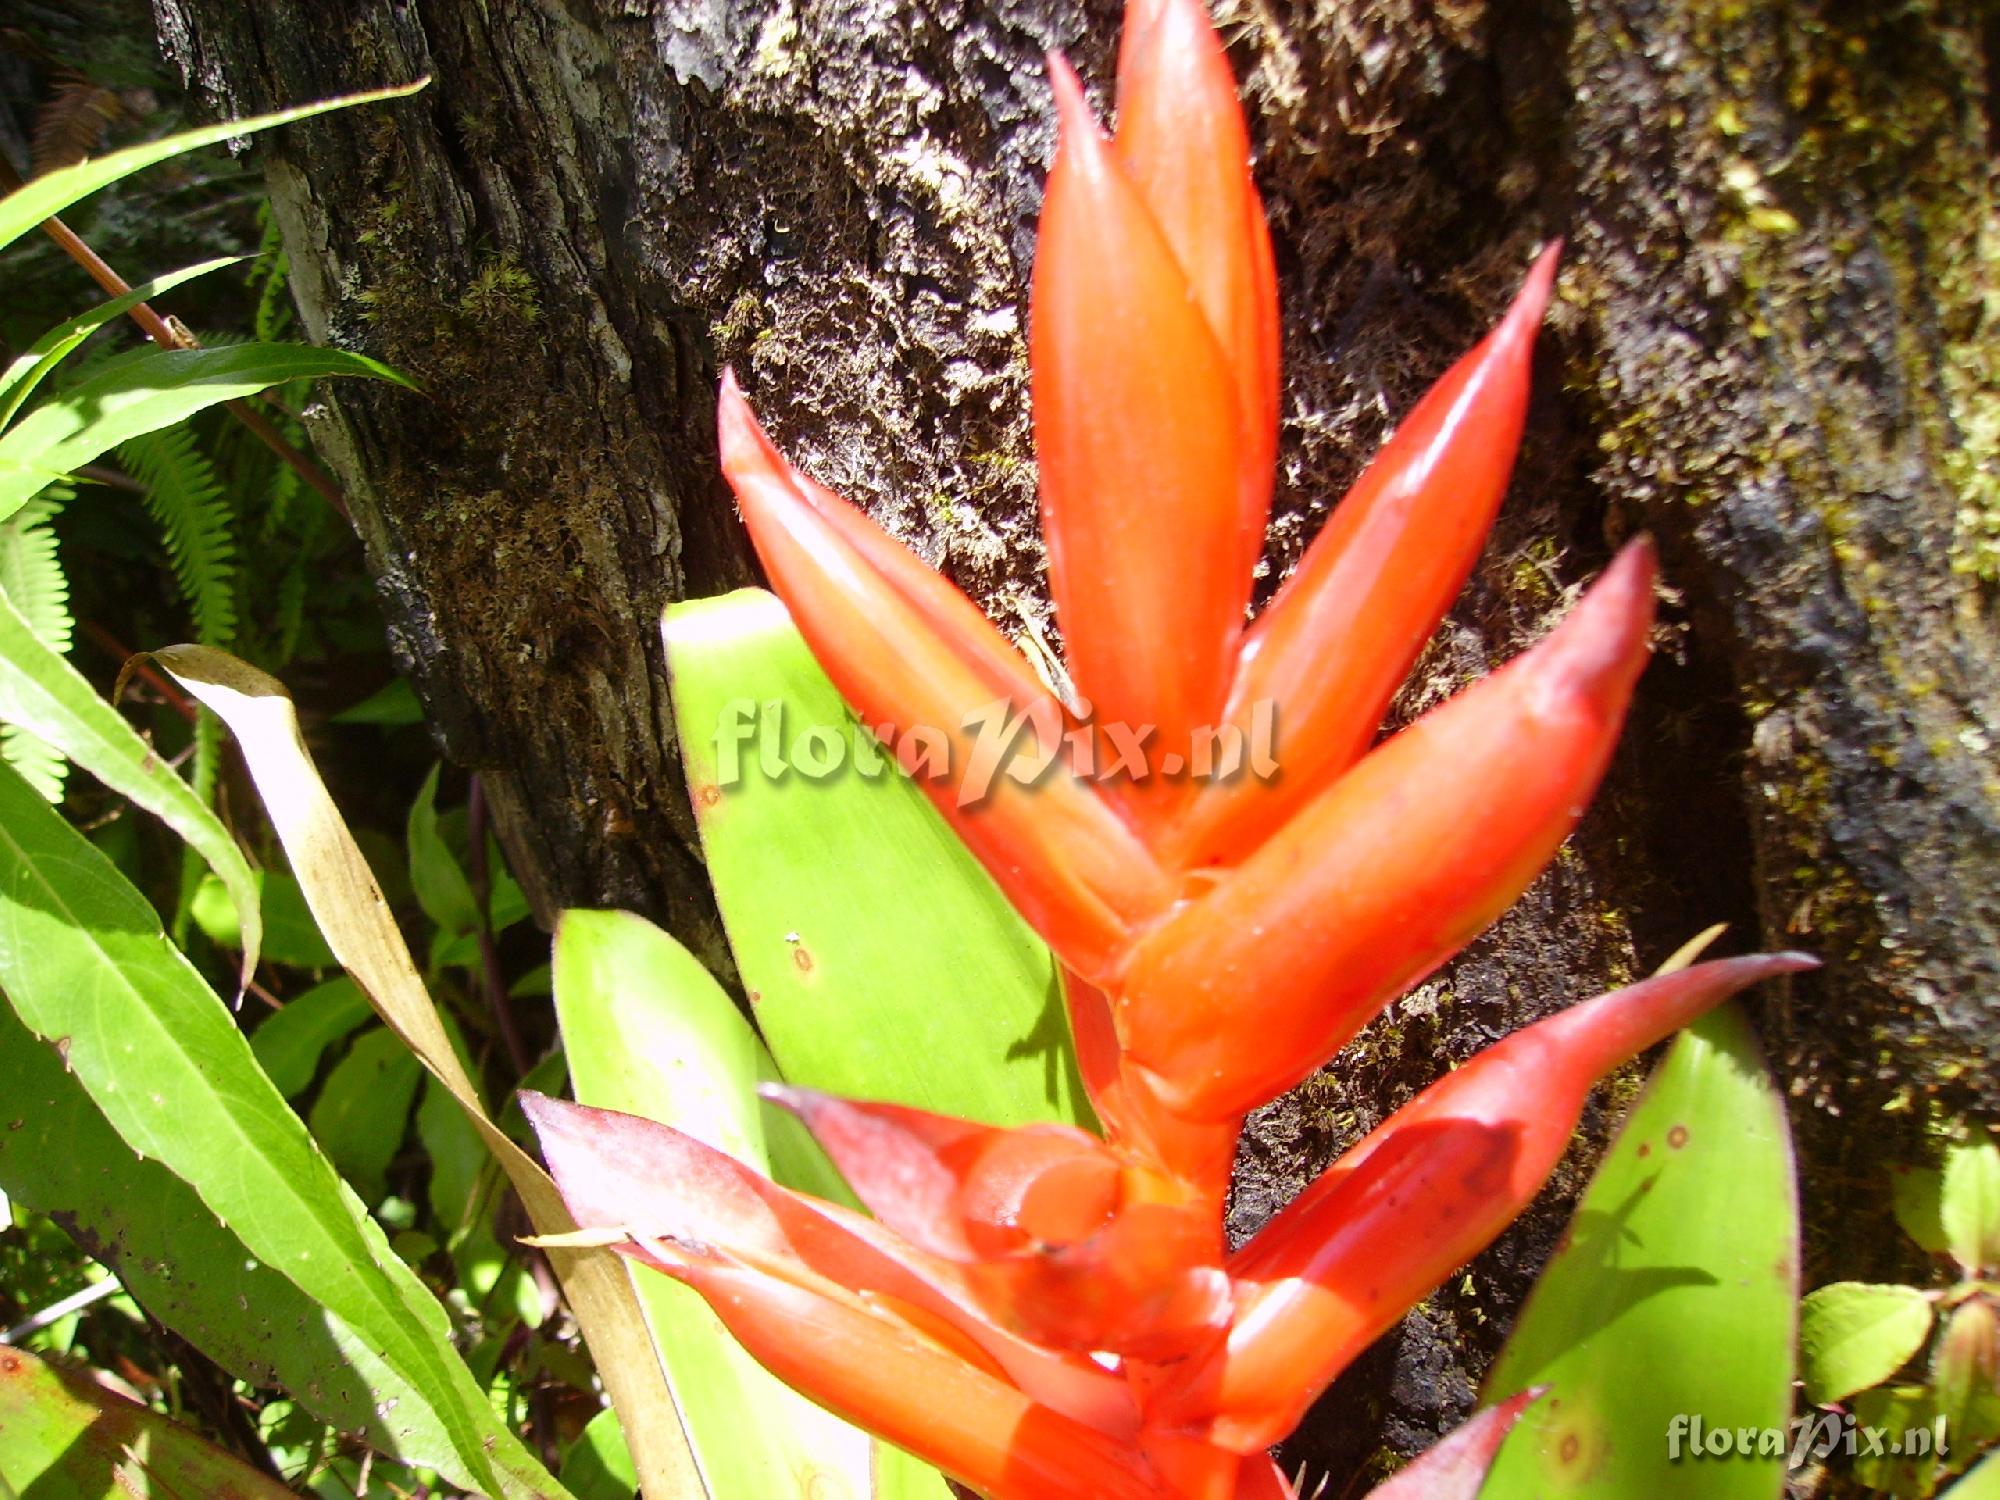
[1774, 347]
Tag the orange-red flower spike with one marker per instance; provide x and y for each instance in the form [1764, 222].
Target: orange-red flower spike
[1139, 436]
[1182, 143]
[1331, 649]
[1251, 986]
[1421, 1195]
[898, 652]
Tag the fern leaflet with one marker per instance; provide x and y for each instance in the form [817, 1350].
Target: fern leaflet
[32, 578]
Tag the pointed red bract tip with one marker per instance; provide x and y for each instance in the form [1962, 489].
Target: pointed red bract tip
[1331, 649]
[1423, 1193]
[1138, 433]
[928, 672]
[1455, 1469]
[1182, 142]
[1389, 871]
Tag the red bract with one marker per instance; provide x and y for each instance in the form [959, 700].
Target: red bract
[1040, 1312]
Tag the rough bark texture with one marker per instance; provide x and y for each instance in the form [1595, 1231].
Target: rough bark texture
[1774, 346]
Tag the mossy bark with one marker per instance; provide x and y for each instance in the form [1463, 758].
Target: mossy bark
[1773, 347]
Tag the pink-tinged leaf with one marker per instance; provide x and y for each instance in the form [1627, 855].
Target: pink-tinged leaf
[1456, 1467]
[917, 666]
[1248, 988]
[1329, 652]
[1421, 1195]
[1139, 436]
[682, 1201]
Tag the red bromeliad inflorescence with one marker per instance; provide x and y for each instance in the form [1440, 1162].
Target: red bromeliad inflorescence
[1041, 1312]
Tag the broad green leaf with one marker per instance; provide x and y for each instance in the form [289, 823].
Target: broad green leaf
[19, 379]
[43, 693]
[32, 578]
[361, 1116]
[1671, 1299]
[59, 1154]
[147, 391]
[86, 966]
[880, 959]
[1854, 1334]
[348, 904]
[598, 1465]
[435, 873]
[1918, 1196]
[289, 1043]
[67, 1438]
[648, 1031]
[290, 934]
[1983, 1483]
[52, 192]
[1969, 1202]
[1897, 1436]
[395, 703]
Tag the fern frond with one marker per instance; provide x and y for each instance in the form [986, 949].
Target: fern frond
[32, 578]
[196, 519]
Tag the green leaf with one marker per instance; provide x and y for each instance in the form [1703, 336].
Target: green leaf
[443, 890]
[63, 1436]
[598, 1465]
[19, 379]
[1670, 1300]
[1983, 1483]
[1854, 1334]
[393, 704]
[52, 192]
[1918, 1194]
[1969, 1204]
[291, 936]
[58, 1154]
[348, 904]
[147, 391]
[879, 958]
[1897, 1441]
[361, 1116]
[44, 694]
[85, 965]
[289, 1043]
[648, 1031]
[32, 578]
[197, 522]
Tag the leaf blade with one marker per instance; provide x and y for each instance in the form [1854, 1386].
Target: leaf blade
[85, 964]
[905, 976]
[1672, 1296]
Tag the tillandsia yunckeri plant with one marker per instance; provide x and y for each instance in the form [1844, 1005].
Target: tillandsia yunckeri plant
[1040, 1311]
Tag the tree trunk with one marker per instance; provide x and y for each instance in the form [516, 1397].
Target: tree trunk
[1773, 347]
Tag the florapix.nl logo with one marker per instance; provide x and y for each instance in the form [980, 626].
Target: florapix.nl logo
[996, 740]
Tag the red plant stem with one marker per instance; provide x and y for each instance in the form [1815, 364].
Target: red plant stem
[492, 980]
[163, 333]
[175, 699]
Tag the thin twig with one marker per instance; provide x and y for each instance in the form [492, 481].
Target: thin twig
[170, 335]
[144, 671]
[55, 1312]
[493, 980]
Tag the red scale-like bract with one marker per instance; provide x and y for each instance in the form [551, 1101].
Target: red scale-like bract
[1042, 1313]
